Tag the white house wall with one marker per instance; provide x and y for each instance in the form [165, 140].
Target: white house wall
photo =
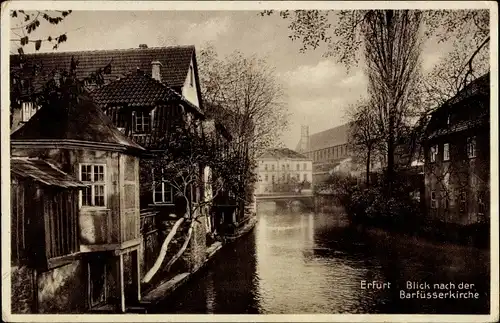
[190, 92]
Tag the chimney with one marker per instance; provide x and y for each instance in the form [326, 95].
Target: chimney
[155, 70]
[143, 46]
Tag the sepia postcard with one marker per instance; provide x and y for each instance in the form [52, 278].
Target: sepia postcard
[205, 161]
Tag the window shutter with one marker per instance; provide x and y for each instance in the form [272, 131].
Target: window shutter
[152, 118]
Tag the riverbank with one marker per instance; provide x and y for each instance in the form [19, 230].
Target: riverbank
[160, 291]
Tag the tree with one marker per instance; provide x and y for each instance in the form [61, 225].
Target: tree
[246, 94]
[363, 135]
[185, 160]
[24, 24]
[388, 42]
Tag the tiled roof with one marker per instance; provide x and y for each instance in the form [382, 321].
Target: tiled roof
[134, 90]
[174, 70]
[43, 172]
[329, 138]
[479, 85]
[83, 121]
[278, 153]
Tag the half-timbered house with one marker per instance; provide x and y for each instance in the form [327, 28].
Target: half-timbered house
[457, 157]
[75, 210]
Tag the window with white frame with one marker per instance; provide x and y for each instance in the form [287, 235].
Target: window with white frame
[28, 110]
[142, 121]
[304, 166]
[446, 152]
[272, 167]
[471, 147]
[95, 193]
[433, 200]
[434, 152]
[162, 191]
[265, 167]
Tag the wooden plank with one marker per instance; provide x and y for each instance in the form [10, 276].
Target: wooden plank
[122, 285]
[47, 225]
[15, 222]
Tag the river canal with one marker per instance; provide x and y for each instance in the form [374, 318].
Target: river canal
[295, 263]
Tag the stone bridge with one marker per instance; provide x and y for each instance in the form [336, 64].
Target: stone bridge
[288, 199]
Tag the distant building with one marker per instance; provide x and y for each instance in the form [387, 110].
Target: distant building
[327, 149]
[282, 169]
[457, 157]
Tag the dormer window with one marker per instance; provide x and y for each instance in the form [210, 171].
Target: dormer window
[142, 122]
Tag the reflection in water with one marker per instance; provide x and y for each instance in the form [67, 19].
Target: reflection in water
[296, 262]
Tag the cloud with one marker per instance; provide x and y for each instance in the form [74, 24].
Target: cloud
[206, 31]
[319, 95]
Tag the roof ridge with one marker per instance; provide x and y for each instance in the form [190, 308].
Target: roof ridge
[329, 129]
[106, 50]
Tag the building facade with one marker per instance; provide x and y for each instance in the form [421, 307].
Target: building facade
[457, 157]
[327, 149]
[283, 170]
[75, 211]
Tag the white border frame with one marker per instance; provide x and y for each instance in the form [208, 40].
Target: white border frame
[245, 5]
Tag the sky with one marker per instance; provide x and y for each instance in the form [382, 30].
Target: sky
[318, 90]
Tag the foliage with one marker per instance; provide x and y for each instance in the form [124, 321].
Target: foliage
[244, 93]
[25, 23]
[388, 42]
[247, 89]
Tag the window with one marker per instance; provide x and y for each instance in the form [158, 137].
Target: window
[272, 167]
[266, 178]
[446, 152]
[28, 110]
[288, 166]
[481, 205]
[95, 194]
[283, 167]
[162, 191]
[304, 166]
[191, 76]
[433, 200]
[142, 121]
[305, 178]
[272, 178]
[446, 203]
[471, 147]
[298, 166]
[434, 152]
[463, 202]
[194, 194]
[265, 167]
